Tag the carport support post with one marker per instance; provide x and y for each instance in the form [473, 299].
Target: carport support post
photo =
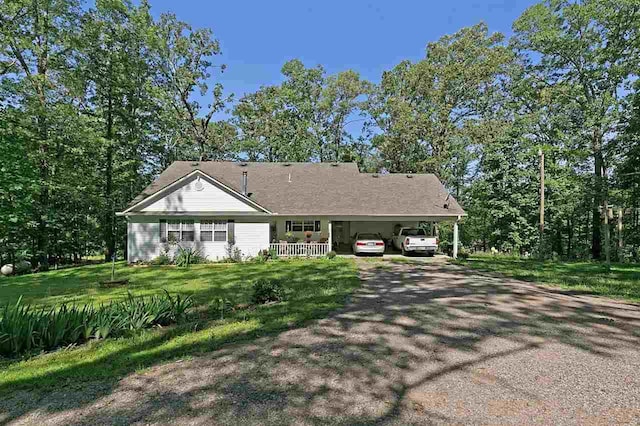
[455, 239]
[330, 236]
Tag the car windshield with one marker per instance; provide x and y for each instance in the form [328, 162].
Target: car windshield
[368, 237]
[414, 232]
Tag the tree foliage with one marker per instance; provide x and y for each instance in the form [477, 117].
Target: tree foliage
[96, 99]
[306, 118]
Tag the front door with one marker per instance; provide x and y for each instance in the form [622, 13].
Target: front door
[340, 235]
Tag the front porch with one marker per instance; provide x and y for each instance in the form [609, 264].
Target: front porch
[311, 249]
[315, 236]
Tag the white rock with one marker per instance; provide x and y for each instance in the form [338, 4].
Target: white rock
[6, 269]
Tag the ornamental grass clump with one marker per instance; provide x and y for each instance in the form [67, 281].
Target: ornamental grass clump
[24, 329]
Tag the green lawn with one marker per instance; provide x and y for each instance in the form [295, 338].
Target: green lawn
[314, 287]
[590, 277]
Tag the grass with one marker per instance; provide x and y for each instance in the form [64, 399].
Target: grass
[313, 288]
[622, 282]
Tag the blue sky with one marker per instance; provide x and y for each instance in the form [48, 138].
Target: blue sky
[368, 36]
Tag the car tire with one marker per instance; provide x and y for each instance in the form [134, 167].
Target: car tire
[404, 252]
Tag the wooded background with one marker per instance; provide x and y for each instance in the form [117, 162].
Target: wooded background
[96, 100]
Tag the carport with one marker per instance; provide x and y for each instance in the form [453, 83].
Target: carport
[342, 229]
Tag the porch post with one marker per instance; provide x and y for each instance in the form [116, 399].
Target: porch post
[455, 239]
[330, 235]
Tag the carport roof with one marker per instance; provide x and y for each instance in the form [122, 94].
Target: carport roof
[327, 189]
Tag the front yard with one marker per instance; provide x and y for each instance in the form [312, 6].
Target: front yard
[313, 287]
[623, 281]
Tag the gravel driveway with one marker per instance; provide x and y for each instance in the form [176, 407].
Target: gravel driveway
[417, 344]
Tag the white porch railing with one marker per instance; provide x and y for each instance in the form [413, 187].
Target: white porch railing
[312, 249]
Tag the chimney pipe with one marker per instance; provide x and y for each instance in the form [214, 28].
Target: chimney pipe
[244, 184]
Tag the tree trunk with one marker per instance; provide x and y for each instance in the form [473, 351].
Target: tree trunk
[109, 239]
[596, 236]
[42, 238]
[569, 239]
[558, 243]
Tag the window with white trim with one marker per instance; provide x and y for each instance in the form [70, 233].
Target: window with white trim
[220, 230]
[173, 230]
[180, 230]
[302, 225]
[188, 232]
[206, 230]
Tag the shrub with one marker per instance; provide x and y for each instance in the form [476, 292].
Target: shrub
[267, 291]
[273, 254]
[261, 257]
[291, 238]
[234, 254]
[187, 256]
[331, 254]
[163, 259]
[23, 329]
[22, 267]
[266, 254]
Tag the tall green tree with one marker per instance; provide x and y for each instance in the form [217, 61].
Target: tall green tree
[114, 74]
[34, 40]
[429, 112]
[305, 118]
[589, 48]
[183, 59]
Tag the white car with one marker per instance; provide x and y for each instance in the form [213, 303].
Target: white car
[368, 243]
[415, 240]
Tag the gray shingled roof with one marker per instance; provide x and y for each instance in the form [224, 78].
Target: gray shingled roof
[322, 188]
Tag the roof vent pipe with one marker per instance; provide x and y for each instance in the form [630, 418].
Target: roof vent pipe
[244, 184]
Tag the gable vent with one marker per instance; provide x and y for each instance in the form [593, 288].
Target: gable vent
[199, 186]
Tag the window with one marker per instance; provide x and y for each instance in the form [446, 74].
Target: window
[302, 226]
[220, 230]
[413, 232]
[206, 230]
[188, 231]
[163, 231]
[180, 230]
[213, 230]
[173, 230]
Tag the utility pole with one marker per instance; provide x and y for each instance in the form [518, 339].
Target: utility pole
[607, 214]
[607, 211]
[620, 240]
[541, 161]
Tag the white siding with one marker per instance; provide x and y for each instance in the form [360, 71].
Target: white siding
[251, 237]
[144, 239]
[210, 199]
